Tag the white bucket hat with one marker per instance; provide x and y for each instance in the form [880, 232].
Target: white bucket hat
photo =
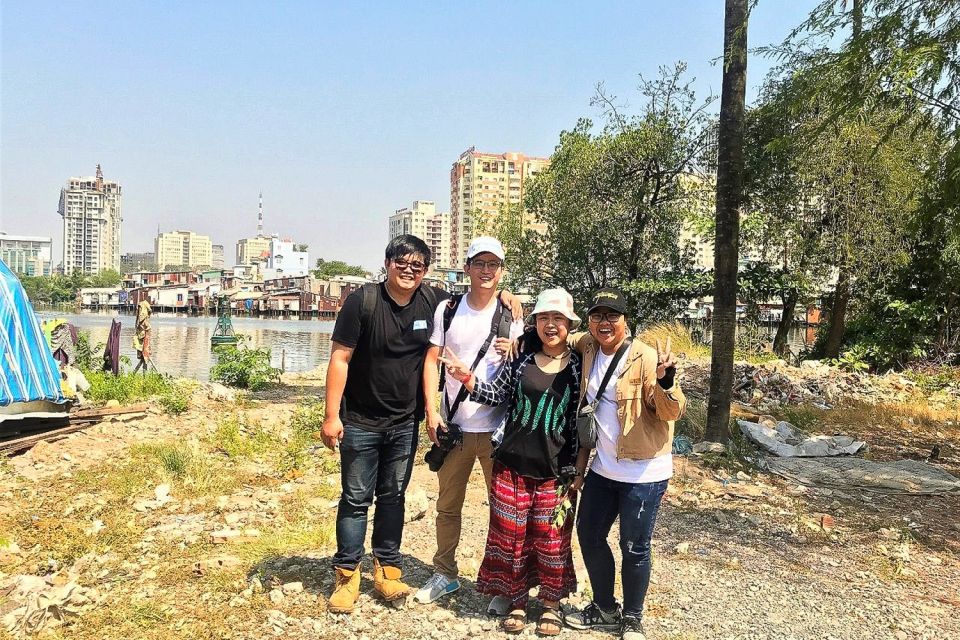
[555, 300]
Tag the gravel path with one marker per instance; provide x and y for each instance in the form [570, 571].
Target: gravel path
[741, 565]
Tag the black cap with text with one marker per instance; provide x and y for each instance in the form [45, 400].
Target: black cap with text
[610, 298]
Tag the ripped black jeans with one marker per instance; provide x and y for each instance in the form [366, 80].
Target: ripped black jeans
[601, 501]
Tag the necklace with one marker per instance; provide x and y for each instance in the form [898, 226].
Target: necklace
[559, 357]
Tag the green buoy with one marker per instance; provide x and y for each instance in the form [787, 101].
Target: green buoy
[224, 333]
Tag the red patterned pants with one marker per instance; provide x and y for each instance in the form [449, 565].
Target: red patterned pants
[524, 548]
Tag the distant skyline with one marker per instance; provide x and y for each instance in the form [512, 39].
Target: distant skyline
[339, 114]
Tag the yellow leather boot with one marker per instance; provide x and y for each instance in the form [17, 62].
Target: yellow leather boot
[346, 591]
[387, 582]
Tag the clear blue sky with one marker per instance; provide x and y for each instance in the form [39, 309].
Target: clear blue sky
[340, 114]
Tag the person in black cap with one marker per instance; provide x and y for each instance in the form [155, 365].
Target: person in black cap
[634, 416]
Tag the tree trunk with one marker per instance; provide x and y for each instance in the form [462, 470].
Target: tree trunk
[786, 323]
[729, 199]
[838, 314]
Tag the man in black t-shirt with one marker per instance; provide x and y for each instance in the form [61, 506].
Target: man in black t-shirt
[373, 410]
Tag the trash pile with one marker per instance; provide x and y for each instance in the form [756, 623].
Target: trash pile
[774, 384]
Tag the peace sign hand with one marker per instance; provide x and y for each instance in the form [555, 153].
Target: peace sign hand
[456, 368]
[665, 360]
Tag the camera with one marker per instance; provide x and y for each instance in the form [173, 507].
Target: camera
[449, 437]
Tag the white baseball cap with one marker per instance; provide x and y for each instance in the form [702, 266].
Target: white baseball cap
[555, 300]
[486, 244]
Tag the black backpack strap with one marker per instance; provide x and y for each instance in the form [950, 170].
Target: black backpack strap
[494, 327]
[370, 293]
[506, 321]
[449, 310]
[453, 303]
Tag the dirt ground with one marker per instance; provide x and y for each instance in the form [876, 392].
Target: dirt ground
[218, 523]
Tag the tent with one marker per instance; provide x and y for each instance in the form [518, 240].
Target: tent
[29, 376]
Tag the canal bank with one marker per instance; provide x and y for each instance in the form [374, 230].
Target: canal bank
[181, 344]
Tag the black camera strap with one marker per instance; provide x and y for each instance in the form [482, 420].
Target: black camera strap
[610, 370]
[462, 395]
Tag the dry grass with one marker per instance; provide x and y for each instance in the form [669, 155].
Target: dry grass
[681, 340]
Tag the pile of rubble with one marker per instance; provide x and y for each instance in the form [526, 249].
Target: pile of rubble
[773, 384]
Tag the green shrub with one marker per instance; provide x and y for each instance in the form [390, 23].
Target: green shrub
[243, 367]
[127, 387]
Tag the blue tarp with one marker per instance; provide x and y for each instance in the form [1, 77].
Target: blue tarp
[28, 371]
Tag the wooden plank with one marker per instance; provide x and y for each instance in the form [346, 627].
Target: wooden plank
[78, 421]
[112, 411]
[19, 444]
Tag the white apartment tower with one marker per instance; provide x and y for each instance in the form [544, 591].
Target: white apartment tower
[481, 184]
[183, 248]
[422, 220]
[91, 212]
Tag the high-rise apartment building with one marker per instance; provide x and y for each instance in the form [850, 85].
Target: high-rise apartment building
[26, 255]
[481, 184]
[91, 212]
[183, 249]
[422, 220]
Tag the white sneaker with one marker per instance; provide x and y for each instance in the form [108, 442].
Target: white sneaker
[436, 587]
[499, 606]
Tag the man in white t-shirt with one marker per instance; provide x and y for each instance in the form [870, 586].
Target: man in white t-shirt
[475, 318]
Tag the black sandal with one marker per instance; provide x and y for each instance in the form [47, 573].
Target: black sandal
[514, 622]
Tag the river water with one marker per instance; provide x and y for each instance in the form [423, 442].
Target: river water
[181, 344]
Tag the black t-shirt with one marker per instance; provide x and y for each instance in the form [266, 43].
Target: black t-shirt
[384, 381]
[540, 436]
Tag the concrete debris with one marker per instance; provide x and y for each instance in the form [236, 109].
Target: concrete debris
[709, 447]
[786, 441]
[217, 391]
[899, 477]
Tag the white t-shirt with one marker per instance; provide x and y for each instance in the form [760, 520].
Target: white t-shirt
[605, 462]
[468, 331]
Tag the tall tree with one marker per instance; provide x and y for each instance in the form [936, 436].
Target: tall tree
[730, 196]
[612, 202]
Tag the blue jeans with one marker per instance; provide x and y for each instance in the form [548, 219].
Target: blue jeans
[601, 501]
[373, 464]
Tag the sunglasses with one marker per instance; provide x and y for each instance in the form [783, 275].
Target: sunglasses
[414, 266]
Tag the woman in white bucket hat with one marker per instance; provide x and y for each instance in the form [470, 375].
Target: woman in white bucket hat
[538, 466]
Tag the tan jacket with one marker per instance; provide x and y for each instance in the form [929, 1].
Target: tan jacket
[646, 410]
